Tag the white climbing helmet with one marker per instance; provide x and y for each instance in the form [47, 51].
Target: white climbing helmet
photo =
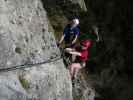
[76, 21]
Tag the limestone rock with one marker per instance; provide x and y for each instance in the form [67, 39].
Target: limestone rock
[24, 34]
[81, 4]
[25, 37]
[82, 88]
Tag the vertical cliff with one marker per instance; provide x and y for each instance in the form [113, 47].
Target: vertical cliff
[26, 37]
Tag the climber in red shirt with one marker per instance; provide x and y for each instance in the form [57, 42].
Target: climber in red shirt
[82, 55]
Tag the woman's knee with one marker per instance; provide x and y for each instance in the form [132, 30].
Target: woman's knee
[78, 66]
[75, 64]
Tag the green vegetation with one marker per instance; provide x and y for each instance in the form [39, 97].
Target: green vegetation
[24, 83]
[57, 20]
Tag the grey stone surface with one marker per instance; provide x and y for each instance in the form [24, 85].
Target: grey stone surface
[82, 88]
[45, 82]
[24, 33]
[11, 89]
[26, 37]
[49, 82]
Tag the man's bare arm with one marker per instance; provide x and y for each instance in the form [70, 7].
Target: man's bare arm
[62, 38]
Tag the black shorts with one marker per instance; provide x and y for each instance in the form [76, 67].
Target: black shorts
[67, 44]
[82, 64]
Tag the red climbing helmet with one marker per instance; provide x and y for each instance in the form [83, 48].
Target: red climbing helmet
[86, 43]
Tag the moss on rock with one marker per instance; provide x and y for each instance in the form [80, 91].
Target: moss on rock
[24, 82]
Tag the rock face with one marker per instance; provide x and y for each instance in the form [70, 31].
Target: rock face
[82, 89]
[26, 37]
[24, 33]
[44, 82]
[81, 3]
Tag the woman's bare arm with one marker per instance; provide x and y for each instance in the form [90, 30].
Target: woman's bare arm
[69, 49]
[75, 53]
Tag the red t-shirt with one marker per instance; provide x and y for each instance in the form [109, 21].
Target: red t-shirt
[84, 55]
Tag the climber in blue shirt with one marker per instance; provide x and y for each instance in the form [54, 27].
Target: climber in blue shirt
[71, 33]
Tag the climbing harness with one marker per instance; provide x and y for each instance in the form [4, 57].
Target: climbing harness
[29, 65]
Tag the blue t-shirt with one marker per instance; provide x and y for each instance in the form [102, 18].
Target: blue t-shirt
[70, 33]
